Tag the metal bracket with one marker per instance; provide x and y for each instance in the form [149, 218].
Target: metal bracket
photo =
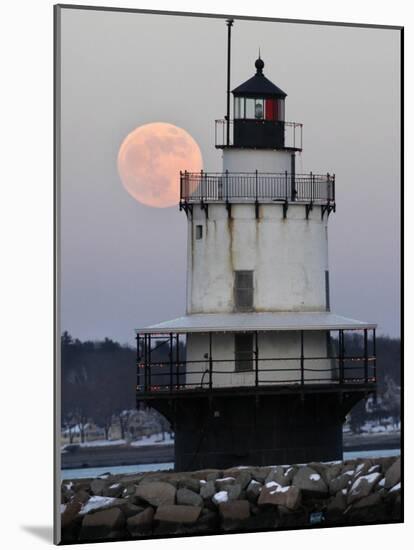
[256, 209]
[308, 208]
[228, 208]
[285, 208]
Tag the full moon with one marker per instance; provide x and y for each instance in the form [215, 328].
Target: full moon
[150, 159]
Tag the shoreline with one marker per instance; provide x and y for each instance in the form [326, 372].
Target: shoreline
[123, 455]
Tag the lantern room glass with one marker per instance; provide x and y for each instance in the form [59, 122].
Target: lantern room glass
[259, 108]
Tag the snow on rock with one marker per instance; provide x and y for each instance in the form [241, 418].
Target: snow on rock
[96, 503]
[221, 496]
[396, 487]
[363, 486]
[62, 508]
[315, 477]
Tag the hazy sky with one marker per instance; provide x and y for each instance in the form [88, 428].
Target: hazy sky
[124, 264]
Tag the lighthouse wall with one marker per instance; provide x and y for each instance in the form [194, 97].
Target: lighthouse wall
[273, 344]
[249, 160]
[289, 257]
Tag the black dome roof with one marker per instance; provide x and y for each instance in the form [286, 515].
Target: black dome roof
[259, 85]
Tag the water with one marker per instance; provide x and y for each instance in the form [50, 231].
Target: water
[137, 468]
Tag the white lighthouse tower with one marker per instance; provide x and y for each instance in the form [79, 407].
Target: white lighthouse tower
[265, 377]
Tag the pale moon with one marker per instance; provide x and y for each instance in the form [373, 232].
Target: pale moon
[150, 159]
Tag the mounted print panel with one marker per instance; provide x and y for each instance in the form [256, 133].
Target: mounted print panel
[228, 323]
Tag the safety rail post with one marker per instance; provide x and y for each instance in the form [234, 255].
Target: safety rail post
[374, 352]
[138, 360]
[210, 361]
[302, 360]
[312, 187]
[145, 364]
[149, 361]
[227, 186]
[366, 355]
[286, 185]
[341, 356]
[177, 357]
[171, 362]
[256, 380]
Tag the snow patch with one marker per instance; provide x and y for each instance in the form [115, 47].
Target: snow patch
[396, 487]
[95, 503]
[369, 478]
[314, 477]
[221, 496]
[62, 508]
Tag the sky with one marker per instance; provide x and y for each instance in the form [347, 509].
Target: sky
[123, 264]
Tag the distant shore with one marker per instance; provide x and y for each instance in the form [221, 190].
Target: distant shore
[124, 455]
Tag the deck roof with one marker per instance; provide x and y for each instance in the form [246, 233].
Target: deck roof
[269, 321]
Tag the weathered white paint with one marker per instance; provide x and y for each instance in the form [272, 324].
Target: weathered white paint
[288, 256]
[272, 345]
[249, 160]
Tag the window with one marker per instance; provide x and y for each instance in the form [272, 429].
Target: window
[243, 352]
[199, 232]
[243, 290]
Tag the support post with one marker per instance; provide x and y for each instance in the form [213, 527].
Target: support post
[138, 362]
[302, 360]
[293, 176]
[210, 361]
[256, 378]
[145, 364]
[341, 357]
[374, 352]
[171, 362]
[177, 356]
[149, 361]
[366, 355]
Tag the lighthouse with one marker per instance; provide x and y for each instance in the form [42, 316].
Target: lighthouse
[258, 370]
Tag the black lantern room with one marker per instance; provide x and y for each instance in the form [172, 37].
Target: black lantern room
[259, 113]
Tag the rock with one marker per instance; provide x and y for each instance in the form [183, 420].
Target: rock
[130, 509]
[224, 483]
[141, 523]
[243, 478]
[370, 500]
[207, 489]
[260, 474]
[309, 481]
[81, 496]
[341, 482]
[156, 493]
[189, 483]
[253, 490]
[362, 486]
[331, 472]
[338, 504]
[186, 496]
[279, 475]
[393, 474]
[100, 524]
[234, 492]
[70, 513]
[290, 497]
[177, 513]
[113, 490]
[237, 510]
[97, 486]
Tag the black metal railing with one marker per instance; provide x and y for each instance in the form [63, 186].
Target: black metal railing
[293, 134]
[177, 374]
[256, 186]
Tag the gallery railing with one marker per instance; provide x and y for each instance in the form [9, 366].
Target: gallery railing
[177, 374]
[256, 186]
[293, 134]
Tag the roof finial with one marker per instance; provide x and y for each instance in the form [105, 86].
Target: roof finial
[259, 64]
